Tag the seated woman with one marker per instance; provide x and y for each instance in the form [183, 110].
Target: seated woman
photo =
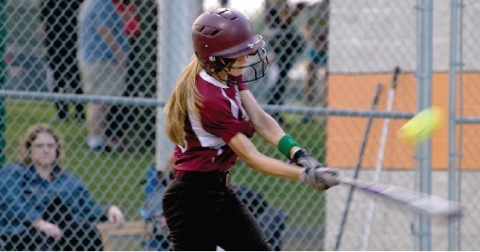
[45, 207]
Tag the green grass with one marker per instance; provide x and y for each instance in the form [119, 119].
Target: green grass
[114, 178]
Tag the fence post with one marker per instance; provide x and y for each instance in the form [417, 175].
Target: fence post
[455, 65]
[424, 99]
[3, 77]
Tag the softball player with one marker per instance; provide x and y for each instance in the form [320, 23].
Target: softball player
[211, 116]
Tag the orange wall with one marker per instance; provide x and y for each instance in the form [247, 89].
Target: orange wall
[355, 92]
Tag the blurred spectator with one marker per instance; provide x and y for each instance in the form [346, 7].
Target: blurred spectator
[286, 43]
[45, 207]
[316, 32]
[223, 3]
[121, 116]
[103, 52]
[59, 22]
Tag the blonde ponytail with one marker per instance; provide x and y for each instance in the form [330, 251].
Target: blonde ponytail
[184, 95]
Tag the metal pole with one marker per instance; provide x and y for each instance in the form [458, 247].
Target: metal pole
[175, 19]
[135, 101]
[460, 116]
[424, 88]
[452, 178]
[418, 62]
[3, 78]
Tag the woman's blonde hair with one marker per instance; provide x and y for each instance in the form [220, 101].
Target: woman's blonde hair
[32, 134]
[184, 95]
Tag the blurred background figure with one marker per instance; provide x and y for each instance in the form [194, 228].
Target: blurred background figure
[286, 43]
[45, 207]
[315, 31]
[59, 29]
[121, 116]
[223, 3]
[103, 52]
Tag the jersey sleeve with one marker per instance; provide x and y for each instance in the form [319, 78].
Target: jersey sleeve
[217, 119]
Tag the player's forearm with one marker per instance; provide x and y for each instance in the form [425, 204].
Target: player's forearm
[274, 167]
[269, 129]
[245, 149]
[263, 123]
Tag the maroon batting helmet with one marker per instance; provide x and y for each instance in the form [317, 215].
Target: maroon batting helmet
[226, 33]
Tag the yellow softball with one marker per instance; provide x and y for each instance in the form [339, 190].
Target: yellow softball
[421, 126]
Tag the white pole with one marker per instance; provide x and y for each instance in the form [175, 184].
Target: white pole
[174, 50]
[381, 155]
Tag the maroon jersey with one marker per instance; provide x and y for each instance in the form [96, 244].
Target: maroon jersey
[222, 116]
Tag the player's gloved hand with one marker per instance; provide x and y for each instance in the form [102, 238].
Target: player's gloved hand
[313, 174]
[319, 178]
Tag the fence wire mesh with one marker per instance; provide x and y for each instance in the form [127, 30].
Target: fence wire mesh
[84, 68]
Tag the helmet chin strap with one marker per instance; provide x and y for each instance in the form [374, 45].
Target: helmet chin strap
[230, 78]
[222, 67]
[234, 79]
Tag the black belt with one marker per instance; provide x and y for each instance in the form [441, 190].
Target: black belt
[216, 177]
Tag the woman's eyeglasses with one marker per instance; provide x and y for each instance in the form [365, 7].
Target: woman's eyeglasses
[43, 145]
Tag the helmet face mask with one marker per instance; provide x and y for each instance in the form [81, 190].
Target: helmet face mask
[256, 67]
[223, 34]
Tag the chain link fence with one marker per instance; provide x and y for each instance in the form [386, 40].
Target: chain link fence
[329, 61]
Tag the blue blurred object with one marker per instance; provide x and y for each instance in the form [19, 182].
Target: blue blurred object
[155, 185]
[25, 69]
[154, 190]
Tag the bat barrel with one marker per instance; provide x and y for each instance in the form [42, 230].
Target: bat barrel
[420, 202]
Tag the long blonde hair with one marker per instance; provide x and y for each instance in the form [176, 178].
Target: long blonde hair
[29, 138]
[184, 95]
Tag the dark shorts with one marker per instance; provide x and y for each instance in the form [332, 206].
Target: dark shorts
[319, 58]
[203, 214]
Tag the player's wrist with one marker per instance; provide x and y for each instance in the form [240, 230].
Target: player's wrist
[286, 144]
[297, 153]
